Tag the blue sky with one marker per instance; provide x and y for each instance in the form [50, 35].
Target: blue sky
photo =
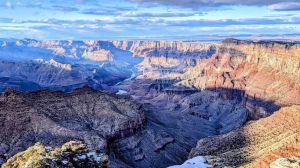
[121, 19]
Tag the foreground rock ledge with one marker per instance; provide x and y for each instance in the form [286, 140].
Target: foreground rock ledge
[70, 155]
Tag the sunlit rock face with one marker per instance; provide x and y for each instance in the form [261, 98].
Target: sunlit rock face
[171, 49]
[286, 162]
[71, 154]
[264, 70]
[55, 117]
[257, 144]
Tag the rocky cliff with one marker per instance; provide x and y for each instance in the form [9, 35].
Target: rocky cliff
[54, 118]
[64, 64]
[257, 144]
[265, 70]
[222, 91]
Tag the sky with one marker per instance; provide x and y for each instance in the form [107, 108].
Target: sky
[146, 19]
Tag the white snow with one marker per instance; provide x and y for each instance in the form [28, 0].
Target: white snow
[121, 92]
[196, 162]
[81, 157]
[96, 157]
[65, 162]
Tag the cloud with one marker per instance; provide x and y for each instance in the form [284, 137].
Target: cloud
[8, 4]
[112, 11]
[6, 20]
[212, 3]
[134, 13]
[285, 6]
[42, 6]
[142, 22]
[232, 22]
[149, 14]
[63, 8]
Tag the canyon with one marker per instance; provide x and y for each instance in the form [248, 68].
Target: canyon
[153, 103]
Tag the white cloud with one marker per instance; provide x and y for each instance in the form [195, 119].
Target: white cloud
[285, 6]
[8, 4]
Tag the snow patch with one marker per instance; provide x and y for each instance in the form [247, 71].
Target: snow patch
[121, 92]
[93, 155]
[196, 162]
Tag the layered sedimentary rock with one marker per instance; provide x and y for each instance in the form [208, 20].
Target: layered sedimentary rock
[90, 49]
[73, 154]
[55, 75]
[65, 64]
[171, 49]
[54, 118]
[257, 144]
[264, 70]
[98, 55]
[189, 90]
[222, 91]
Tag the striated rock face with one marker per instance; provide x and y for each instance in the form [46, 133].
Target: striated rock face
[253, 144]
[70, 155]
[192, 98]
[64, 65]
[91, 49]
[287, 153]
[171, 49]
[98, 55]
[263, 70]
[55, 75]
[54, 118]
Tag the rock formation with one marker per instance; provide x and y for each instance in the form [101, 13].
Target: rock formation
[53, 118]
[64, 65]
[257, 144]
[70, 155]
[172, 83]
[285, 162]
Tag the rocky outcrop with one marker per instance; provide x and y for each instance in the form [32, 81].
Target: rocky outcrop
[251, 145]
[70, 155]
[98, 54]
[286, 163]
[54, 118]
[171, 49]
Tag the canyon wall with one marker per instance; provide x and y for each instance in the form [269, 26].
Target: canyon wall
[55, 117]
[264, 70]
[257, 144]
